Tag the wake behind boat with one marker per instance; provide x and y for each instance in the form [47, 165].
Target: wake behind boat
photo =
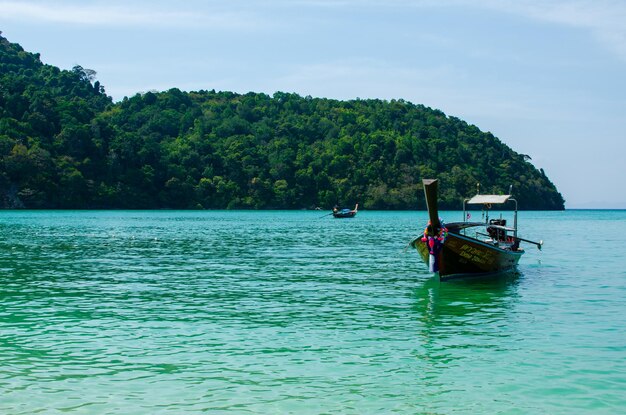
[462, 249]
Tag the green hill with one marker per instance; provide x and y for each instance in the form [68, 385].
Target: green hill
[65, 144]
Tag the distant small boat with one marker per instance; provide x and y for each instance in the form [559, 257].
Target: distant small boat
[345, 213]
[462, 249]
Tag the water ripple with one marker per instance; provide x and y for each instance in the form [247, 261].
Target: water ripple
[283, 312]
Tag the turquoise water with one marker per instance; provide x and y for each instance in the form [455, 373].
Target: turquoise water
[286, 312]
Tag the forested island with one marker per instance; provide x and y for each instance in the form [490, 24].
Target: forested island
[64, 144]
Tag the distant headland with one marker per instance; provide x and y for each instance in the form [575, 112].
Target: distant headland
[64, 144]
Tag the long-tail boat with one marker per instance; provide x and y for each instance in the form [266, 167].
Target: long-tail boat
[462, 249]
[345, 213]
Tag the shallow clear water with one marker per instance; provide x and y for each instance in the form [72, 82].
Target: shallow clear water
[286, 312]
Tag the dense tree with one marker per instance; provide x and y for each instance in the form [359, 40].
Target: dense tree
[65, 144]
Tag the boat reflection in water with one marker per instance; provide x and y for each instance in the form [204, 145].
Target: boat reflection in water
[490, 296]
[463, 328]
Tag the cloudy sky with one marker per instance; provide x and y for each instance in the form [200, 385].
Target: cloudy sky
[547, 77]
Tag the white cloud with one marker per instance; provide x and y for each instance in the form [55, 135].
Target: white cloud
[605, 19]
[122, 15]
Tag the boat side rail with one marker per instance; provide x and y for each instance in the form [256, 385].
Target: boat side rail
[485, 235]
[500, 227]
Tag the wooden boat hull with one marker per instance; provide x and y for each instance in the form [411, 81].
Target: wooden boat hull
[344, 215]
[461, 256]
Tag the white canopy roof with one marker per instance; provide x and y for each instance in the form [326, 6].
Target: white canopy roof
[492, 199]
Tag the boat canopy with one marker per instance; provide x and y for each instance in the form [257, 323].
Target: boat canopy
[488, 199]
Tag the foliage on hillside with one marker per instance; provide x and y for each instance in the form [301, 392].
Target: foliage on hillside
[47, 131]
[64, 144]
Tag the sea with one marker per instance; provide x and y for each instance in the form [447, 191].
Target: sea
[294, 312]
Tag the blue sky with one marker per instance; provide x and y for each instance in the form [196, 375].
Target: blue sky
[547, 77]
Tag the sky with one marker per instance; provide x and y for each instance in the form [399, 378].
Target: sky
[547, 77]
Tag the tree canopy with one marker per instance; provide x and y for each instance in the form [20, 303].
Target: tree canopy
[65, 144]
